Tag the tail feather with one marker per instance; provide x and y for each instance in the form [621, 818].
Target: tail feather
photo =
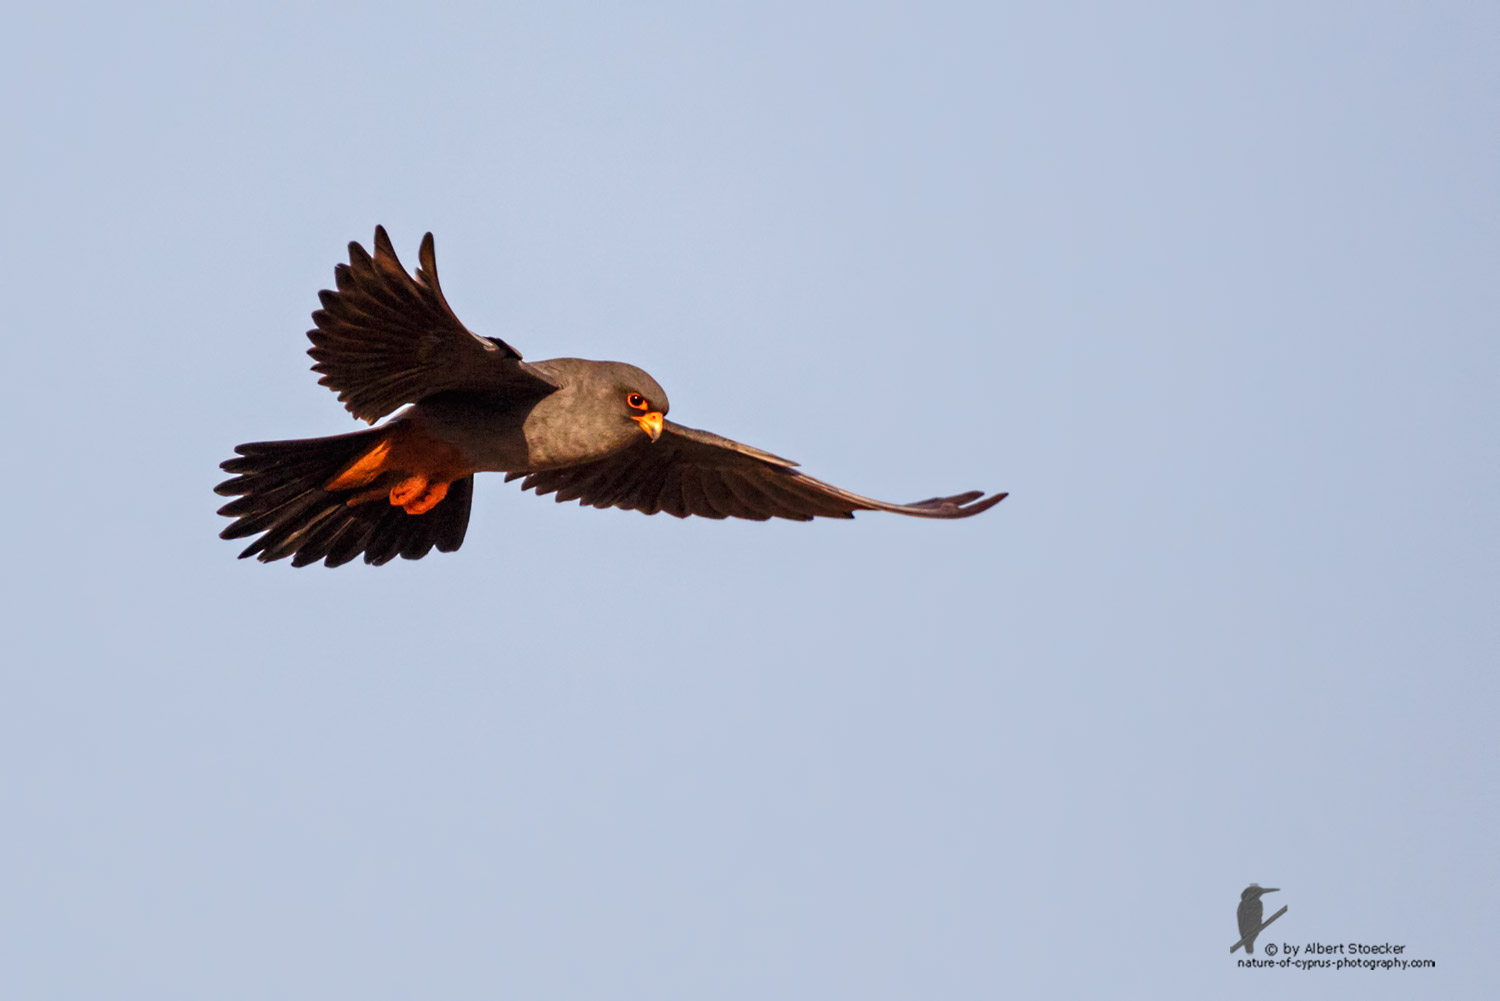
[280, 495]
[271, 513]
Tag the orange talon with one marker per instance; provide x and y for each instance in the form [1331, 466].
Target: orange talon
[429, 499]
[408, 490]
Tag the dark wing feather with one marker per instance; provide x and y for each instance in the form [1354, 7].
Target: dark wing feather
[687, 472]
[385, 339]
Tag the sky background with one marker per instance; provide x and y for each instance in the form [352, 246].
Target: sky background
[1210, 288]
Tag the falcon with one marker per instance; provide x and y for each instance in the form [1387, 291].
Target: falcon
[592, 431]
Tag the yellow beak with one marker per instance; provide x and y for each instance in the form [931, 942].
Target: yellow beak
[650, 423]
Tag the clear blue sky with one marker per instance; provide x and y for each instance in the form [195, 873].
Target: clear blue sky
[1210, 288]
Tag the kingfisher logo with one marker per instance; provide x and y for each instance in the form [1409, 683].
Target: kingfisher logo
[1249, 914]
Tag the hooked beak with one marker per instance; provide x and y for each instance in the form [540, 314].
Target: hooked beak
[650, 423]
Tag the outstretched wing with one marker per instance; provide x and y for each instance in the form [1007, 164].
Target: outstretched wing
[384, 339]
[688, 472]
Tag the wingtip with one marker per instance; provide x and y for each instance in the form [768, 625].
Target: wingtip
[359, 259]
[964, 505]
[979, 506]
[385, 250]
[979, 501]
[427, 261]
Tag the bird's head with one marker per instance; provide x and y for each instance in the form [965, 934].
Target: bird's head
[647, 408]
[1254, 890]
[631, 395]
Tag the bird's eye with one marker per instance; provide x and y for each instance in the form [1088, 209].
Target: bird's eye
[636, 401]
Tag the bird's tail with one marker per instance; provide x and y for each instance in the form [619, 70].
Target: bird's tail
[326, 499]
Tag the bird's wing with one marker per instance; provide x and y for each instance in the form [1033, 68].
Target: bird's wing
[688, 472]
[1249, 914]
[384, 339]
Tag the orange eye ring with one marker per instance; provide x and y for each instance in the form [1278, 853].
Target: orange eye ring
[637, 402]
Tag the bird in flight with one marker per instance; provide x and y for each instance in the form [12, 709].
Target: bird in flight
[592, 431]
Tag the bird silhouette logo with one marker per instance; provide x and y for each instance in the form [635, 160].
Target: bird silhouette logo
[1249, 914]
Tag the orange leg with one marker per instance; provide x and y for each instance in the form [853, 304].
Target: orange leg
[421, 466]
[364, 470]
